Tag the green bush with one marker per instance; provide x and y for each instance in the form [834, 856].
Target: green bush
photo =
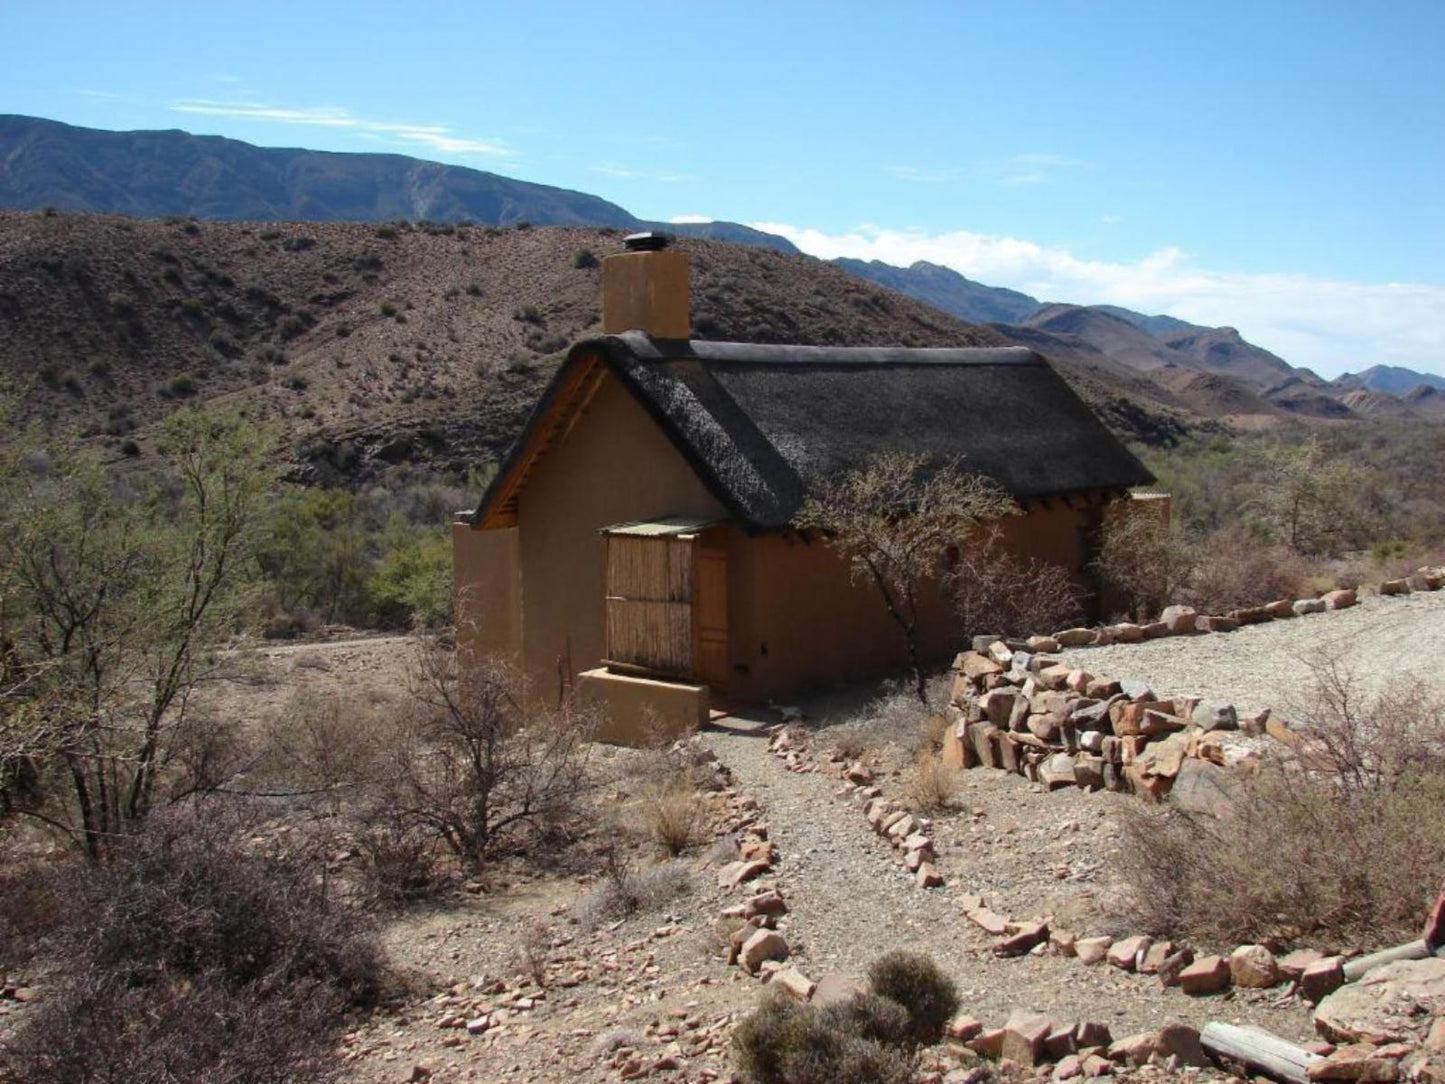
[763, 1040]
[870, 1017]
[584, 260]
[413, 578]
[179, 387]
[786, 1042]
[920, 986]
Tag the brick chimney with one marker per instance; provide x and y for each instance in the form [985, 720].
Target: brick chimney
[645, 289]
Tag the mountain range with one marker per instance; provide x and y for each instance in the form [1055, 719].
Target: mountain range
[1209, 372]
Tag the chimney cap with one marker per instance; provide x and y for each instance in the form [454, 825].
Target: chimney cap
[647, 241]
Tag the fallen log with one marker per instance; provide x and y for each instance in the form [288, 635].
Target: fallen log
[1259, 1050]
[1363, 965]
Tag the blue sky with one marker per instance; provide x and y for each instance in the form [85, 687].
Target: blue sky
[1275, 166]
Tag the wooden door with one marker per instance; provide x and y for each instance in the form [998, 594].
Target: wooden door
[649, 604]
[710, 614]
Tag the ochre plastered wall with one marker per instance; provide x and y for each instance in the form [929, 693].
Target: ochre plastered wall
[799, 621]
[487, 577]
[614, 465]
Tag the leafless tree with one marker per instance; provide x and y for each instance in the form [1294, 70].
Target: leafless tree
[893, 520]
[476, 764]
[995, 591]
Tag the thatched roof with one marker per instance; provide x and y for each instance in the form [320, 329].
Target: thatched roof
[760, 424]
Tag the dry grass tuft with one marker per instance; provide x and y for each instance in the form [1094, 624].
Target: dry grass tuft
[933, 786]
[851, 742]
[674, 815]
[624, 890]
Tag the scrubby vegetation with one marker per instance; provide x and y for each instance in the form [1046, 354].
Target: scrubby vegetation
[893, 520]
[873, 1036]
[380, 558]
[1349, 820]
[191, 954]
[1256, 518]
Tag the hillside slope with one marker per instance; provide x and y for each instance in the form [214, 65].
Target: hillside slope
[1394, 379]
[1223, 350]
[381, 344]
[944, 288]
[49, 164]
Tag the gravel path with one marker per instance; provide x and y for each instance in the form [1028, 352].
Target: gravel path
[851, 899]
[1260, 666]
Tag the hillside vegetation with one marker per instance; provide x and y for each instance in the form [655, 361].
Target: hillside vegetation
[375, 345]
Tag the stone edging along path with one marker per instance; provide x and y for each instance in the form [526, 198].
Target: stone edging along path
[1184, 620]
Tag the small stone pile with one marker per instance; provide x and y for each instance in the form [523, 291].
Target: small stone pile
[1017, 707]
[753, 852]
[755, 943]
[684, 1034]
[791, 745]
[1388, 1026]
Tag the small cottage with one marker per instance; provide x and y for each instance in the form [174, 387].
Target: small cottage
[635, 546]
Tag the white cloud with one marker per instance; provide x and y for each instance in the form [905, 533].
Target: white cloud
[627, 173]
[680, 220]
[1330, 325]
[436, 137]
[1031, 167]
[921, 175]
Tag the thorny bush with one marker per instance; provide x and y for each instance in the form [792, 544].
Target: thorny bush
[477, 765]
[191, 955]
[1350, 822]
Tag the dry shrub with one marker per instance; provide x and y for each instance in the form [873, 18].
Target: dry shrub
[851, 742]
[1342, 839]
[531, 955]
[624, 890]
[472, 767]
[29, 906]
[327, 744]
[914, 981]
[894, 723]
[933, 785]
[1236, 570]
[786, 1042]
[1145, 561]
[189, 956]
[400, 860]
[96, 1031]
[674, 815]
[997, 592]
[873, 1037]
[880, 1019]
[934, 728]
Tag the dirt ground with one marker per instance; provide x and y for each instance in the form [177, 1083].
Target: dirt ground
[652, 994]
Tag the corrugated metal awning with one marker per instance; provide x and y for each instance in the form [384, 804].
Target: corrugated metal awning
[664, 527]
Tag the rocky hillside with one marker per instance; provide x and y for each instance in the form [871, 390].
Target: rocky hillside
[1392, 379]
[376, 344]
[46, 164]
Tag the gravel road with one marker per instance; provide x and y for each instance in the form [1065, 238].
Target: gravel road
[852, 901]
[1260, 666]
